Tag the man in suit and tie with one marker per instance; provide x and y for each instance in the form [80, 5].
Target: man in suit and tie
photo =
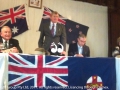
[10, 44]
[79, 49]
[54, 33]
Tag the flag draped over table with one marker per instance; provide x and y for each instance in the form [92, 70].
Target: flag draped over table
[34, 72]
[14, 18]
[73, 29]
[118, 73]
[92, 72]
[37, 71]
[3, 71]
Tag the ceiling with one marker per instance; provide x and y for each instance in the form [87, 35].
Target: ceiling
[112, 4]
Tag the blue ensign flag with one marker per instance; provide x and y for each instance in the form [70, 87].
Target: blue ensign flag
[92, 73]
[73, 29]
[40, 72]
[14, 18]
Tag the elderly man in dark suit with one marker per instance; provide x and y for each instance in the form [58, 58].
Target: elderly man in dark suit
[10, 44]
[54, 33]
[79, 49]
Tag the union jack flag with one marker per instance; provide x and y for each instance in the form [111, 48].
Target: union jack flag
[47, 13]
[14, 18]
[73, 29]
[29, 72]
[35, 70]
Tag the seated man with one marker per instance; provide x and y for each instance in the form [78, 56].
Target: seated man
[79, 49]
[10, 44]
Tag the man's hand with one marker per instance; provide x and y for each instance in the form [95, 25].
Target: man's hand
[14, 50]
[11, 50]
[79, 55]
[64, 53]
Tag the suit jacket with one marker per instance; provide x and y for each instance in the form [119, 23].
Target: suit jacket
[13, 43]
[73, 49]
[60, 36]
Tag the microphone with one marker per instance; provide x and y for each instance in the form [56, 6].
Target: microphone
[117, 48]
[116, 51]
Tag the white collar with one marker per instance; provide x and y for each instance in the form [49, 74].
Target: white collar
[51, 23]
[79, 46]
[5, 40]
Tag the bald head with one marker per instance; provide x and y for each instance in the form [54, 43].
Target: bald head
[6, 32]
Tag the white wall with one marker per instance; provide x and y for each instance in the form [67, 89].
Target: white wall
[93, 16]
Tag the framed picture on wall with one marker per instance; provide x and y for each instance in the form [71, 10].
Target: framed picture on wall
[35, 3]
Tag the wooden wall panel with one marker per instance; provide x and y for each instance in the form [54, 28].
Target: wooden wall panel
[114, 30]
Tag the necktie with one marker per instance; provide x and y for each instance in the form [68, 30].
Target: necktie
[52, 30]
[5, 44]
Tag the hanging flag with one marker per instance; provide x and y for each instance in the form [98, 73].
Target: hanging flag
[14, 18]
[39, 72]
[73, 29]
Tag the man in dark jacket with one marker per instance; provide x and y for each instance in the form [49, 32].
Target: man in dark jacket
[79, 49]
[9, 44]
[53, 33]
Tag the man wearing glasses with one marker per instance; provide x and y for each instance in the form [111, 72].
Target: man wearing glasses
[79, 49]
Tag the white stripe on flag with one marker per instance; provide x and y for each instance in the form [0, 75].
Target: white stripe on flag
[117, 73]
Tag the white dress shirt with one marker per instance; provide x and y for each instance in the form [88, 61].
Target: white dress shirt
[80, 49]
[51, 24]
[4, 42]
